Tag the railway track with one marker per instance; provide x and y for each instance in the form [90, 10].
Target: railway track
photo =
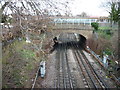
[65, 78]
[91, 77]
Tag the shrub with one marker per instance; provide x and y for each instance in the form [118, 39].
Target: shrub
[95, 25]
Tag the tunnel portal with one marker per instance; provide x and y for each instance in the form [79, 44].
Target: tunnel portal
[70, 39]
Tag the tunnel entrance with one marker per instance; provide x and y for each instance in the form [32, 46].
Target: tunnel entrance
[70, 39]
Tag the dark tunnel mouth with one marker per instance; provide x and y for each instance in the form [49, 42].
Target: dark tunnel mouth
[82, 40]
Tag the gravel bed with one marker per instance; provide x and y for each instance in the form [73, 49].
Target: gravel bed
[48, 81]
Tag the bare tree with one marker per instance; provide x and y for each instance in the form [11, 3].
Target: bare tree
[31, 17]
[111, 6]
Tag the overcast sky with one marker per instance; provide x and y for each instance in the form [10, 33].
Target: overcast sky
[91, 7]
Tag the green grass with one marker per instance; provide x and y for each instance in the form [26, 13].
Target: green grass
[104, 34]
[17, 77]
[27, 54]
[23, 60]
[19, 64]
[104, 28]
[29, 57]
[9, 50]
[29, 67]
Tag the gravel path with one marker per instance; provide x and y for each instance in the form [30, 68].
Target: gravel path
[48, 81]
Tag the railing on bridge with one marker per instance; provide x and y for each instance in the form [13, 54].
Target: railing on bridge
[74, 23]
[73, 26]
[78, 23]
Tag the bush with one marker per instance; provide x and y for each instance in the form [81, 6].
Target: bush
[95, 25]
[108, 51]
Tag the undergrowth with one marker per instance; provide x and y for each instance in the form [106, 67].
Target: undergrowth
[19, 63]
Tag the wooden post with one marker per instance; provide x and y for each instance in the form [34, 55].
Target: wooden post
[0, 50]
[119, 35]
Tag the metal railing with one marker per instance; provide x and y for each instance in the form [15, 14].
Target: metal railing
[72, 26]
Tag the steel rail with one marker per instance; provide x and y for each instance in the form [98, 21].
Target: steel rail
[81, 63]
[99, 79]
[63, 65]
[57, 67]
[97, 76]
[83, 66]
[83, 72]
[80, 66]
[91, 74]
[68, 69]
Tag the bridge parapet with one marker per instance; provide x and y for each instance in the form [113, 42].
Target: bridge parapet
[85, 33]
[73, 26]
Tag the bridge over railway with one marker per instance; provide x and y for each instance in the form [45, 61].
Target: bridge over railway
[70, 65]
[73, 25]
[85, 33]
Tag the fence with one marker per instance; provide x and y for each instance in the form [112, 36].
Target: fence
[78, 26]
